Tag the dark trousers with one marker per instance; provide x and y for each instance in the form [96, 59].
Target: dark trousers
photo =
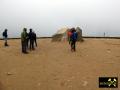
[27, 43]
[24, 46]
[69, 39]
[5, 44]
[31, 44]
[35, 41]
[73, 45]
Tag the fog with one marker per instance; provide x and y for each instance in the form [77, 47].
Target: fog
[47, 16]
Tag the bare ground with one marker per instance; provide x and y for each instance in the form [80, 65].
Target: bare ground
[52, 66]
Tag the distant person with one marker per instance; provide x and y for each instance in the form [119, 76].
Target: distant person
[35, 39]
[24, 41]
[73, 39]
[104, 34]
[5, 37]
[69, 36]
[31, 38]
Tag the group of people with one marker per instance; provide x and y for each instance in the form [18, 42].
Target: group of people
[72, 38]
[28, 40]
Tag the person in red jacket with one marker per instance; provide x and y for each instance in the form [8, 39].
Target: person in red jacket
[69, 36]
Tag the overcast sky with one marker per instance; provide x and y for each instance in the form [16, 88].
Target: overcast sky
[47, 16]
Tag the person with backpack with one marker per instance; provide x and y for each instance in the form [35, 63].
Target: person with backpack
[5, 37]
[73, 39]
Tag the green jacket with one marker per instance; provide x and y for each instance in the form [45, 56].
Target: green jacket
[23, 36]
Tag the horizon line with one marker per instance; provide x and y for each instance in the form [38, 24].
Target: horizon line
[106, 37]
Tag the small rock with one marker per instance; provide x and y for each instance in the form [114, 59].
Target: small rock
[9, 73]
[85, 83]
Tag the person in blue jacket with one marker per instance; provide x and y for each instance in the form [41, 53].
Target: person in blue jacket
[73, 39]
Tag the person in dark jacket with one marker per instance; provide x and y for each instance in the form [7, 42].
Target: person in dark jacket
[5, 37]
[73, 39]
[31, 38]
[24, 41]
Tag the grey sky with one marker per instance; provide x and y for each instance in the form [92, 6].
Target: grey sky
[47, 16]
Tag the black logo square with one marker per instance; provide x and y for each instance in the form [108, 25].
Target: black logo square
[108, 82]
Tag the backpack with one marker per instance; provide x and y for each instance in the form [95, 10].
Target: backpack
[74, 36]
[3, 34]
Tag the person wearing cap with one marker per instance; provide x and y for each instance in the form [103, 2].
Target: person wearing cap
[5, 37]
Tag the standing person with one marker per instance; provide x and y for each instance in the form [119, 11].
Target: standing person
[31, 38]
[35, 38]
[24, 41]
[5, 37]
[69, 36]
[73, 39]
